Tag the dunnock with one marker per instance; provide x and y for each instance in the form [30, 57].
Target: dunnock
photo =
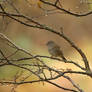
[54, 50]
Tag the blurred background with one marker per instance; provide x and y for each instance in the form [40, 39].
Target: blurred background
[78, 29]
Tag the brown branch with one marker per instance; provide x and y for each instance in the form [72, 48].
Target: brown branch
[40, 26]
[56, 2]
[60, 73]
[87, 70]
[35, 81]
[53, 58]
[61, 87]
[59, 34]
[66, 11]
[79, 72]
[4, 56]
[78, 50]
[75, 85]
[41, 79]
[13, 6]
[71, 43]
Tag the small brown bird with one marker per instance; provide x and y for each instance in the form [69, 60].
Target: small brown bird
[54, 50]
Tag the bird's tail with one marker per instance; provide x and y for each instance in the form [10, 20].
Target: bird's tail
[63, 57]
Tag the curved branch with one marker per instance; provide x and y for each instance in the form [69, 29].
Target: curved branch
[66, 11]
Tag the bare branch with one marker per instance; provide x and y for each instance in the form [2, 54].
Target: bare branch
[39, 67]
[66, 11]
[76, 86]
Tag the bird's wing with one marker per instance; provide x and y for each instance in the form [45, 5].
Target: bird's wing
[56, 46]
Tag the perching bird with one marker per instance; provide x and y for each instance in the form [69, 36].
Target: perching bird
[54, 50]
